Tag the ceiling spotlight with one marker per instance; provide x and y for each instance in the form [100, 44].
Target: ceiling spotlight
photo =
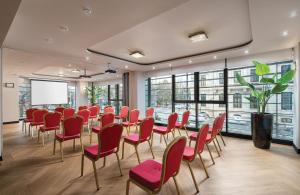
[87, 10]
[87, 58]
[61, 75]
[63, 28]
[126, 67]
[215, 57]
[75, 70]
[293, 14]
[170, 65]
[153, 67]
[199, 36]
[190, 61]
[137, 54]
[246, 51]
[285, 33]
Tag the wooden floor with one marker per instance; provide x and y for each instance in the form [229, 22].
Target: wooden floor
[30, 168]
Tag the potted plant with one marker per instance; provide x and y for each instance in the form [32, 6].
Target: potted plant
[93, 93]
[262, 122]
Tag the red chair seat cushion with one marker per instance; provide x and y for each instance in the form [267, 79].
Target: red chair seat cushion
[117, 117]
[160, 129]
[133, 139]
[188, 153]
[36, 123]
[148, 174]
[127, 123]
[96, 129]
[92, 152]
[28, 120]
[61, 137]
[193, 137]
[92, 117]
[43, 128]
[178, 125]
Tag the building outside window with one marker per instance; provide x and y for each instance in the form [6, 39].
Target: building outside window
[202, 80]
[237, 100]
[286, 101]
[284, 69]
[203, 98]
[253, 103]
[235, 73]
[221, 78]
[253, 76]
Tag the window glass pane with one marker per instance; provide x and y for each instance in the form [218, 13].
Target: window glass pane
[208, 113]
[184, 87]
[211, 85]
[182, 107]
[113, 92]
[24, 96]
[103, 97]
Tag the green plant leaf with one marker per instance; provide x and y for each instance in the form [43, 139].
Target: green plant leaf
[267, 80]
[287, 77]
[278, 88]
[243, 82]
[261, 69]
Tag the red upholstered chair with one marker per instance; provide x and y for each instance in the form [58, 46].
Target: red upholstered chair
[109, 109]
[190, 153]
[144, 135]
[108, 143]
[106, 119]
[82, 108]
[211, 136]
[162, 130]
[149, 113]
[223, 116]
[60, 110]
[93, 113]
[183, 123]
[123, 114]
[72, 128]
[85, 114]
[67, 113]
[38, 119]
[51, 123]
[29, 118]
[150, 175]
[133, 120]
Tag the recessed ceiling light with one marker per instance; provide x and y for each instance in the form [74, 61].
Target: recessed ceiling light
[48, 40]
[87, 10]
[293, 14]
[137, 54]
[190, 61]
[126, 67]
[285, 33]
[63, 28]
[75, 70]
[215, 57]
[246, 51]
[153, 67]
[199, 36]
[170, 65]
[61, 75]
[87, 58]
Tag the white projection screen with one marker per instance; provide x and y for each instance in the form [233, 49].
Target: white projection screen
[48, 92]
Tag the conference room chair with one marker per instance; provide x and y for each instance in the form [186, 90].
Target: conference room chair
[183, 123]
[133, 120]
[93, 113]
[223, 116]
[85, 114]
[149, 113]
[37, 120]
[162, 130]
[60, 110]
[190, 153]
[123, 114]
[67, 113]
[51, 123]
[28, 119]
[144, 135]
[105, 119]
[82, 108]
[108, 143]
[151, 175]
[211, 136]
[72, 129]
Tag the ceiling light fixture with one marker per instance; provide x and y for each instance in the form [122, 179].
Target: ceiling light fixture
[170, 65]
[137, 54]
[75, 70]
[153, 67]
[87, 10]
[87, 58]
[126, 67]
[61, 75]
[246, 51]
[63, 28]
[190, 61]
[215, 57]
[285, 33]
[293, 14]
[199, 36]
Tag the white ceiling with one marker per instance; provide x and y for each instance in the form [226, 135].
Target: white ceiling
[158, 28]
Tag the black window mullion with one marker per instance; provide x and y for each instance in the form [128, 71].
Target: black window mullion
[173, 93]
[196, 96]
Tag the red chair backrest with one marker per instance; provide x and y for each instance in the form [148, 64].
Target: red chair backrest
[146, 128]
[52, 119]
[68, 112]
[82, 108]
[172, 158]
[223, 116]
[60, 110]
[85, 114]
[109, 138]
[109, 109]
[107, 119]
[185, 118]
[149, 112]
[215, 128]
[98, 108]
[29, 113]
[73, 125]
[124, 112]
[134, 116]
[93, 111]
[38, 115]
[201, 138]
[172, 121]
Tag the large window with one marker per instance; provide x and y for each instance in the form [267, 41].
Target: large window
[237, 100]
[184, 87]
[115, 96]
[286, 101]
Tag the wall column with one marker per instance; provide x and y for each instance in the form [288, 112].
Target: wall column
[81, 96]
[296, 136]
[137, 92]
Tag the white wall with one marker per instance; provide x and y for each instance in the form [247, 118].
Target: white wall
[1, 110]
[81, 96]
[10, 99]
[296, 136]
[137, 92]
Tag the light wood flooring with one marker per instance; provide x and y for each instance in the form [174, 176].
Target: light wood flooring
[30, 168]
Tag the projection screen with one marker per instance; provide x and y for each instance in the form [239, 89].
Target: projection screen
[48, 92]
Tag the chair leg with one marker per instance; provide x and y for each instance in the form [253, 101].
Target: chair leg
[61, 151]
[137, 154]
[123, 145]
[193, 176]
[119, 163]
[82, 164]
[82, 151]
[73, 144]
[176, 185]
[152, 135]
[218, 143]
[54, 146]
[210, 154]
[23, 125]
[128, 130]
[43, 138]
[38, 139]
[173, 134]
[104, 162]
[29, 129]
[151, 149]
[165, 140]
[203, 165]
[127, 187]
[179, 131]
[95, 174]
[90, 137]
[219, 134]
[190, 142]
[216, 148]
